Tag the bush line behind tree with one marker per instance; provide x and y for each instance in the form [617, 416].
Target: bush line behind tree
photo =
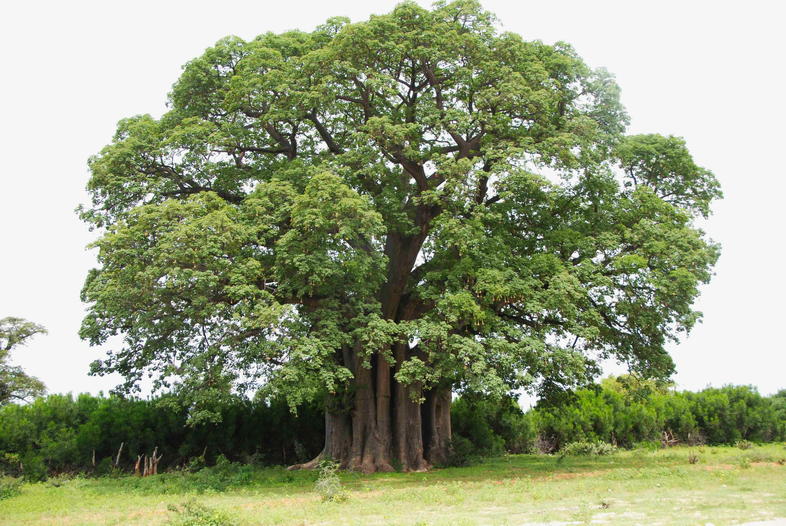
[61, 433]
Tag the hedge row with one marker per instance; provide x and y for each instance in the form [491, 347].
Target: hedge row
[625, 417]
[62, 433]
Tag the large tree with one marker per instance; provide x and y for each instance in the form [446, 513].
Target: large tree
[383, 213]
[15, 384]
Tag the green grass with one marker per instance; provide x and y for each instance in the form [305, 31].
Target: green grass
[726, 486]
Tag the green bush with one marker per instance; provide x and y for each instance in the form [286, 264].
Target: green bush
[33, 468]
[649, 445]
[462, 452]
[67, 433]
[486, 427]
[9, 487]
[611, 414]
[82, 434]
[588, 449]
[193, 513]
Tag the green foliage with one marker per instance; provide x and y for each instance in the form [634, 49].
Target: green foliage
[588, 449]
[665, 166]
[311, 200]
[744, 462]
[9, 487]
[62, 433]
[192, 513]
[728, 414]
[34, 468]
[492, 427]
[623, 411]
[328, 484]
[462, 452]
[15, 384]
[717, 415]
[743, 444]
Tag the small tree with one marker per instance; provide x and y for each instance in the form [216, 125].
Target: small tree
[15, 384]
[377, 214]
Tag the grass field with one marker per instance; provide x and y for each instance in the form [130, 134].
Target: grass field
[726, 486]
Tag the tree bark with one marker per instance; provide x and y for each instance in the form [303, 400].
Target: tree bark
[370, 450]
[387, 423]
[408, 434]
[338, 440]
[436, 423]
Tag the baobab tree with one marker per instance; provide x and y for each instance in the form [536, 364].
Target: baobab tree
[382, 213]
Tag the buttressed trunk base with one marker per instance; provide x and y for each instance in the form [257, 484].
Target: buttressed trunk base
[387, 427]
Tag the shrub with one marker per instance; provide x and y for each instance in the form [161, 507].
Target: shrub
[648, 445]
[33, 468]
[192, 513]
[546, 444]
[10, 464]
[471, 420]
[195, 464]
[328, 484]
[612, 413]
[9, 487]
[74, 433]
[462, 452]
[70, 434]
[590, 449]
[743, 444]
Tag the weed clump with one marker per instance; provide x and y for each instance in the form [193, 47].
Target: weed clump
[744, 444]
[9, 487]
[588, 449]
[193, 513]
[693, 457]
[648, 445]
[328, 484]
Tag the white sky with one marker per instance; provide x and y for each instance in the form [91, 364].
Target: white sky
[709, 71]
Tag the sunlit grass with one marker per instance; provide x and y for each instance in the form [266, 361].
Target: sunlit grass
[630, 487]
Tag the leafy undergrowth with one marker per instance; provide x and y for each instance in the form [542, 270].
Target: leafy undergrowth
[9, 487]
[724, 485]
[192, 513]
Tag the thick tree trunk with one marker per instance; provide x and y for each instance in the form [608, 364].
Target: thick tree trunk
[408, 432]
[387, 423]
[370, 448]
[436, 423]
[338, 440]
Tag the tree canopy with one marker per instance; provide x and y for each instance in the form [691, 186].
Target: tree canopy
[379, 213]
[15, 384]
